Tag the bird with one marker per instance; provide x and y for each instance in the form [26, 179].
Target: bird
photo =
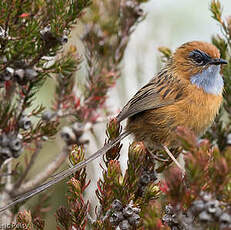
[187, 91]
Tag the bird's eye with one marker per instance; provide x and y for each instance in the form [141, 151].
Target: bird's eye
[199, 58]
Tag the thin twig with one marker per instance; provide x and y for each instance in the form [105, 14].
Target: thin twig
[44, 175]
[32, 160]
[7, 215]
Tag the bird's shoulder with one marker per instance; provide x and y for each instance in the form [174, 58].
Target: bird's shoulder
[163, 89]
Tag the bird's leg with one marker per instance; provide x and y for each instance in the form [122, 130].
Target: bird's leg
[173, 159]
[155, 157]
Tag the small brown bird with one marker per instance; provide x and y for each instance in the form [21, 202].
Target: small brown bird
[186, 92]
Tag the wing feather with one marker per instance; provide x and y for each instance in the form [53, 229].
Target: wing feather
[159, 92]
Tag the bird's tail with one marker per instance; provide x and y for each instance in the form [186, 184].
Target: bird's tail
[62, 175]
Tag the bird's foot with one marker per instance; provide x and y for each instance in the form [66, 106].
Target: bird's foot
[158, 158]
[174, 159]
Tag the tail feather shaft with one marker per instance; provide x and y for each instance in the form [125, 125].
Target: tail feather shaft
[64, 174]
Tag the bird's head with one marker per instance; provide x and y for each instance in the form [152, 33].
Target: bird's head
[200, 63]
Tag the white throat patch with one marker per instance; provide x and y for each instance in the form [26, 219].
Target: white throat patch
[209, 80]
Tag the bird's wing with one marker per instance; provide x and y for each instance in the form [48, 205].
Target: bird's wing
[162, 90]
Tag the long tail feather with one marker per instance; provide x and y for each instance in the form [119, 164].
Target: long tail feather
[64, 174]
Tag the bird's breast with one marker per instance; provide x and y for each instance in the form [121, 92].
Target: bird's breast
[198, 110]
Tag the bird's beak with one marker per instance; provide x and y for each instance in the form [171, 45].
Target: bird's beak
[218, 61]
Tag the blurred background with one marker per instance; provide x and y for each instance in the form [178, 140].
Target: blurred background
[168, 23]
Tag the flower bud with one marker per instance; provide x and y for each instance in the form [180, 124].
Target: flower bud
[77, 154]
[39, 223]
[5, 153]
[204, 217]
[24, 217]
[225, 220]
[8, 73]
[47, 115]
[206, 196]
[75, 185]
[134, 219]
[30, 74]
[116, 217]
[16, 146]
[68, 135]
[19, 75]
[197, 206]
[113, 129]
[64, 39]
[117, 205]
[78, 129]
[128, 211]
[4, 140]
[212, 206]
[114, 171]
[145, 178]
[124, 225]
[216, 9]
[24, 123]
[136, 152]
[166, 52]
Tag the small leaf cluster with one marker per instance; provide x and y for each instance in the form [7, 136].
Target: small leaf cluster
[29, 32]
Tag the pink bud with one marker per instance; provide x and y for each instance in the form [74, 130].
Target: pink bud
[24, 15]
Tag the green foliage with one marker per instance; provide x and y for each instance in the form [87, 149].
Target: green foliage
[31, 34]
[166, 53]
